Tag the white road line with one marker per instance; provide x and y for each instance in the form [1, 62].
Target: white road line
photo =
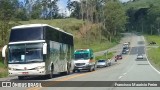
[120, 77]
[149, 61]
[124, 73]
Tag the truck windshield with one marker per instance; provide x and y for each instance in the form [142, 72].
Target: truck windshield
[25, 53]
[81, 56]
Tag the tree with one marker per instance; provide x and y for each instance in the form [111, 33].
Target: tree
[8, 9]
[36, 11]
[115, 19]
[75, 9]
[153, 18]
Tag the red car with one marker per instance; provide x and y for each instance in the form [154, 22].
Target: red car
[118, 57]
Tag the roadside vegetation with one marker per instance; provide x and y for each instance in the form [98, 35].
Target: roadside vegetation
[154, 52]
[3, 70]
[109, 55]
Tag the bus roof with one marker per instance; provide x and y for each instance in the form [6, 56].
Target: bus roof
[39, 25]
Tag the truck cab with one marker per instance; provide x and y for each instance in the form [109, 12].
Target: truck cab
[84, 59]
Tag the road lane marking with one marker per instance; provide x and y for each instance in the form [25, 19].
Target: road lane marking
[124, 73]
[148, 59]
[120, 77]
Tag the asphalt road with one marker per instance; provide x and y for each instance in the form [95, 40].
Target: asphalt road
[127, 69]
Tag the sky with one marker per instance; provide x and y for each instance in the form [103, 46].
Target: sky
[62, 6]
[63, 3]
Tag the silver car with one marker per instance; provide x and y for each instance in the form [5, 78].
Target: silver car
[140, 56]
[103, 63]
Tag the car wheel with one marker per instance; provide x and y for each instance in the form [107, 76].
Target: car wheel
[94, 68]
[90, 69]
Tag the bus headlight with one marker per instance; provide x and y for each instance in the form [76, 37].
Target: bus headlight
[11, 68]
[40, 67]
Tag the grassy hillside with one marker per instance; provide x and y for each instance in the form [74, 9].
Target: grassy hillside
[70, 25]
[154, 52]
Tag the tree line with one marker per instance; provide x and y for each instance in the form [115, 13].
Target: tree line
[144, 16]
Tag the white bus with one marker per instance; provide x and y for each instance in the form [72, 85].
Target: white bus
[39, 49]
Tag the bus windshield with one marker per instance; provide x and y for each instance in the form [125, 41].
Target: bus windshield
[81, 56]
[25, 53]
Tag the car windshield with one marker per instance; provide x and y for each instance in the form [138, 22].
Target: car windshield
[124, 50]
[25, 53]
[101, 60]
[81, 56]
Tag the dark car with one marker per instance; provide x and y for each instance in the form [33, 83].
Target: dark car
[118, 57]
[124, 51]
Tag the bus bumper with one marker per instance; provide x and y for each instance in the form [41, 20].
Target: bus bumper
[27, 73]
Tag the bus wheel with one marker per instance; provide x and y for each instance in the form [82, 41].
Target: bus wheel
[74, 70]
[50, 76]
[21, 77]
[68, 69]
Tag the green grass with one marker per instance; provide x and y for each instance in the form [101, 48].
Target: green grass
[96, 46]
[3, 70]
[70, 25]
[154, 38]
[154, 53]
[154, 56]
[109, 55]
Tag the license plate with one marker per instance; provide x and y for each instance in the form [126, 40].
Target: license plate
[24, 72]
[79, 68]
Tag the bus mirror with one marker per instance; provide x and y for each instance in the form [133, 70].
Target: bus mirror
[4, 51]
[45, 48]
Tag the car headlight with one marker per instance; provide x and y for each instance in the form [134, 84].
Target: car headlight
[40, 67]
[88, 64]
[11, 68]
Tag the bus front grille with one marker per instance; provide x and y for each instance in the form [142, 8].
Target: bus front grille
[80, 64]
